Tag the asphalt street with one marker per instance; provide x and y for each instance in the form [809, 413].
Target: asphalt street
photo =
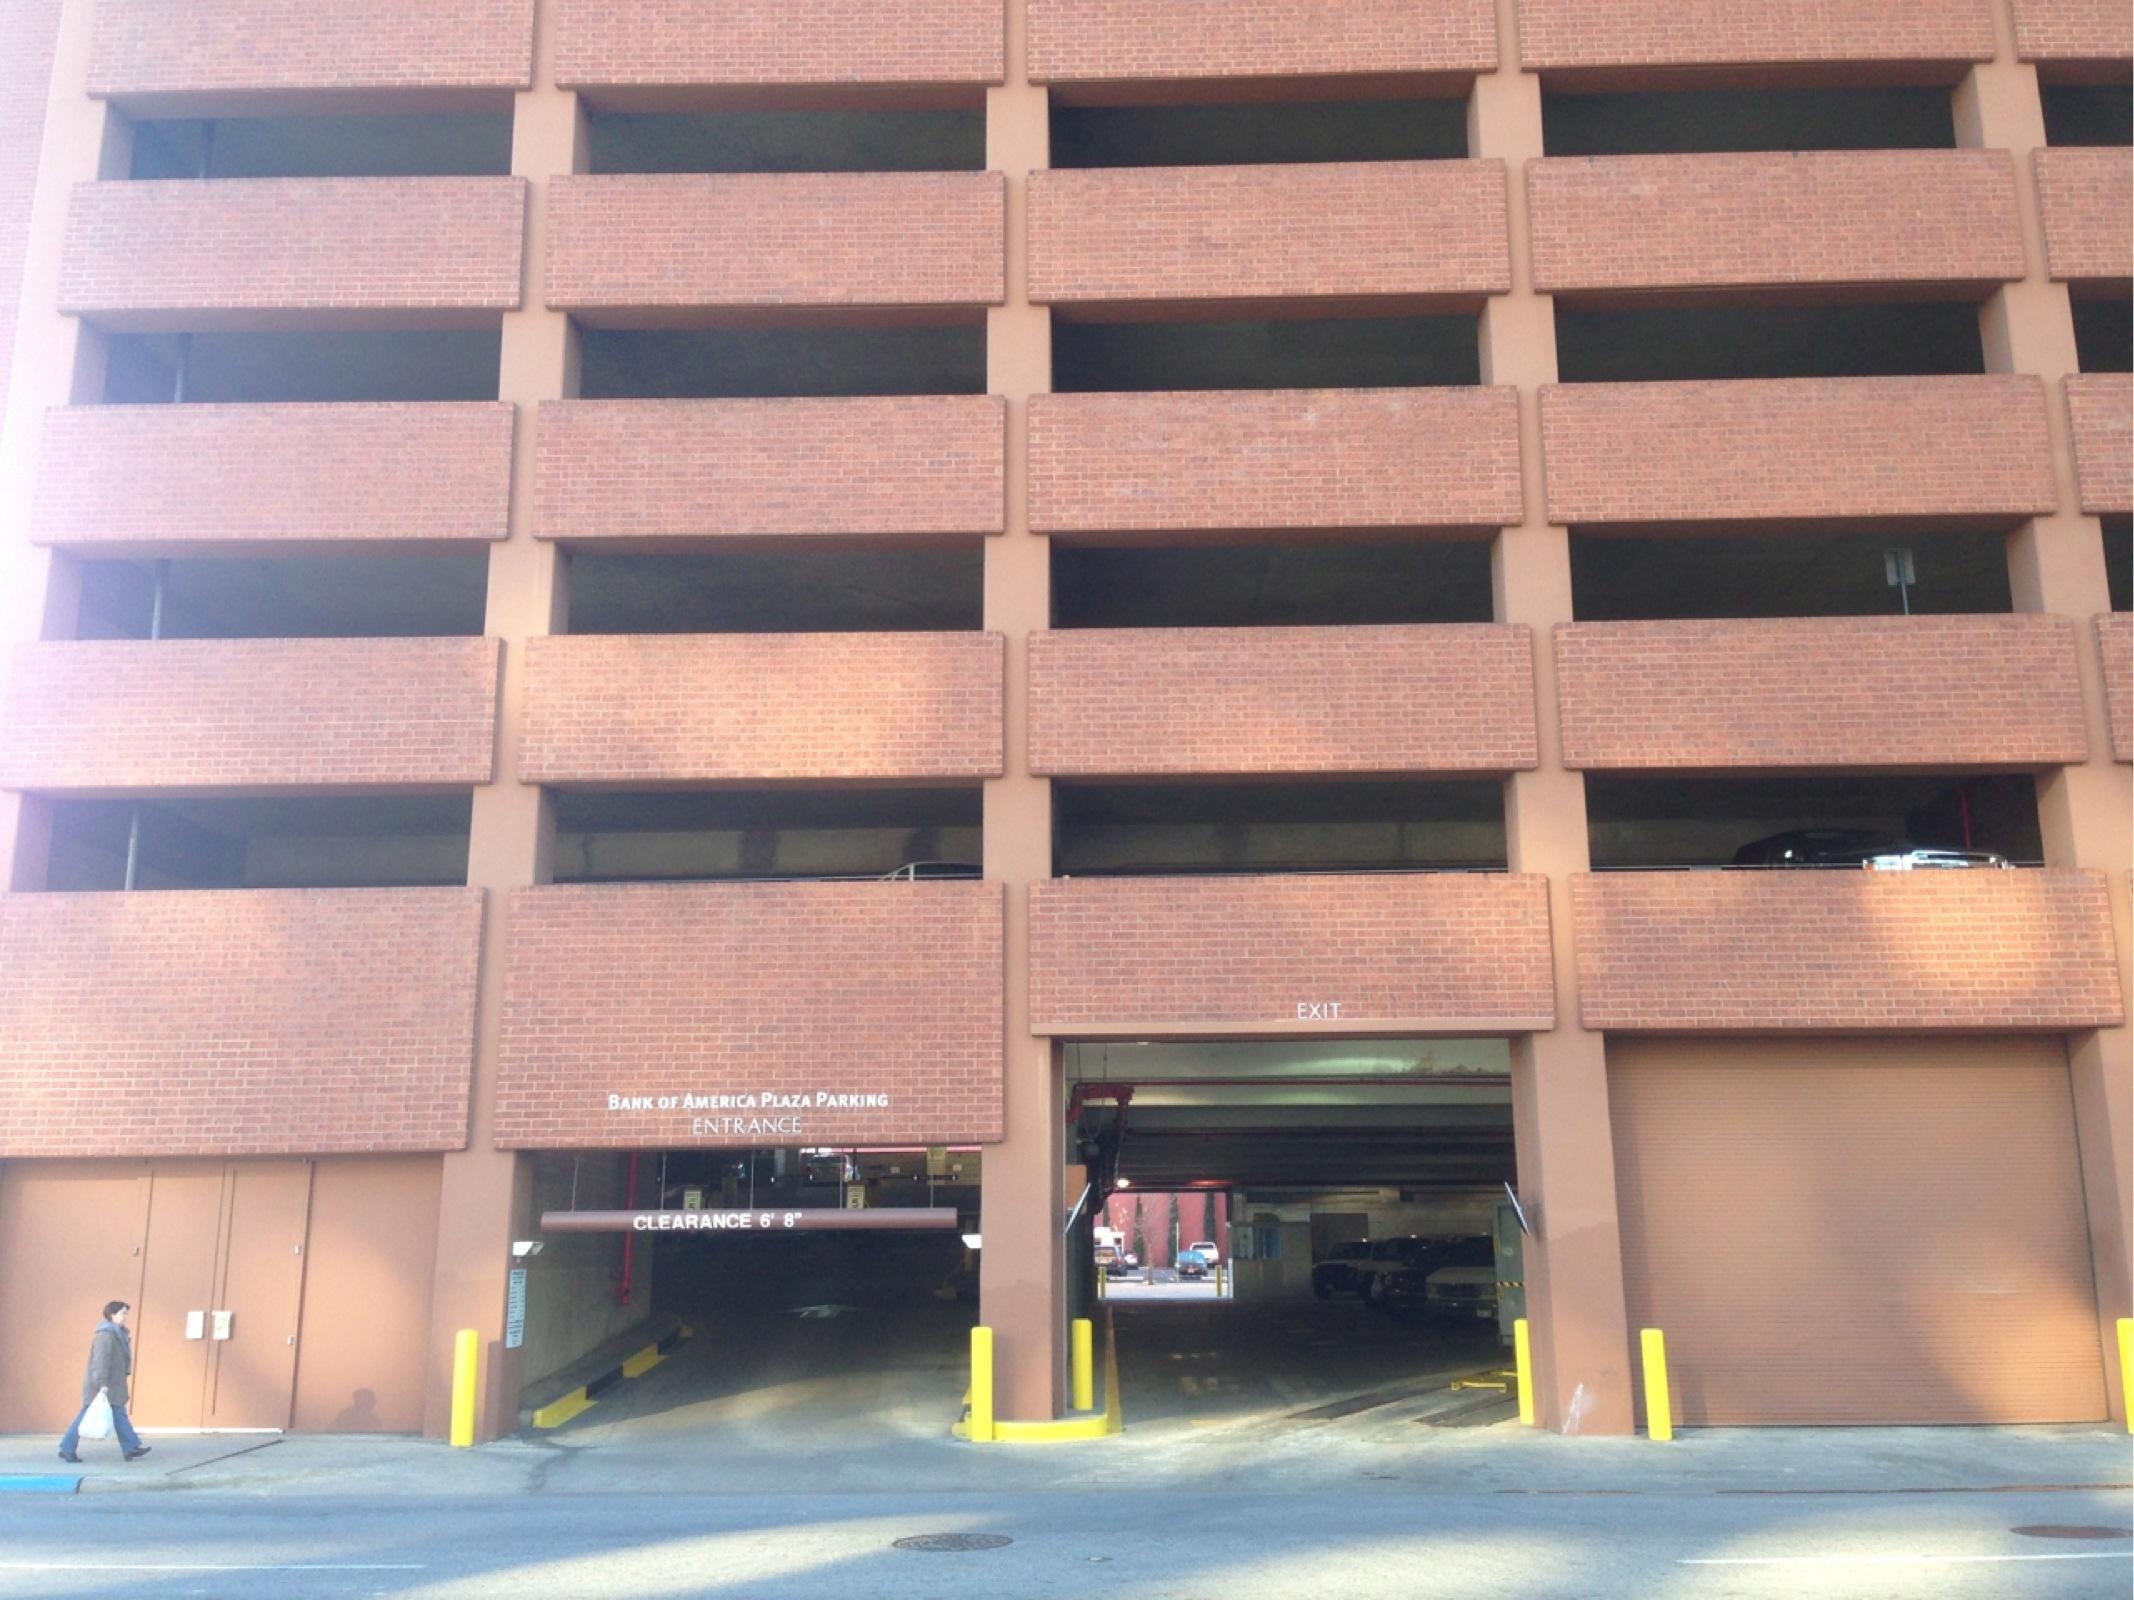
[1164, 1546]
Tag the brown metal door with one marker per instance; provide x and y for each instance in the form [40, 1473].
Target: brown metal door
[184, 1244]
[72, 1236]
[251, 1374]
[1858, 1231]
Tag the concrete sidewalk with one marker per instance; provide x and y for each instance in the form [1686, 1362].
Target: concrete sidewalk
[1382, 1452]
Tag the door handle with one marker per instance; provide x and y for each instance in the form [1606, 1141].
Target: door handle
[196, 1324]
[222, 1324]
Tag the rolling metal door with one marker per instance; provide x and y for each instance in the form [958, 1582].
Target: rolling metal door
[1858, 1231]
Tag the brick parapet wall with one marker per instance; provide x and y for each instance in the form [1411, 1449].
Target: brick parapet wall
[1117, 42]
[143, 254]
[2115, 643]
[774, 43]
[2085, 31]
[1572, 38]
[2086, 198]
[1821, 692]
[238, 1022]
[647, 242]
[1290, 459]
[1797, 449]
[25, 74]
[156, 48]
[730, 707]
[1756, 221]
[748, 991]
[1768, 951]
[1209, 701]
[1424, 231]
[210, 474]
[671, 469]
[2100, 415]
[208, 714]
[1458, 950]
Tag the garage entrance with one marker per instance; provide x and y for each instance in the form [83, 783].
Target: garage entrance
[1858, 1231]
[1350, 1189]
[829, 1308]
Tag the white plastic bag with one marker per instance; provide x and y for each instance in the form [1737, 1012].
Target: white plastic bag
[96, 1421]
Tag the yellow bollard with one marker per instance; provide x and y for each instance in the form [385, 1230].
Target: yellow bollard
[1082, 1348]
[1523, 1360]
[1659, 1406]
[2126, 1368]
[466, 1374]
[981, 1428]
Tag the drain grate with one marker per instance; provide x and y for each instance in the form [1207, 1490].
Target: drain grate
[953, 1541]
[2069, 1530]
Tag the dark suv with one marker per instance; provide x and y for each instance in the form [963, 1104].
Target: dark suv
[1336, 1271]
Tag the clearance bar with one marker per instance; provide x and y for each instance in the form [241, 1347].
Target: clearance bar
[812, 1219]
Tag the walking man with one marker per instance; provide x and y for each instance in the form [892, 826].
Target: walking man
[110, 1365]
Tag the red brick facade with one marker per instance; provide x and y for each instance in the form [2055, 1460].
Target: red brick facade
[680, 469]
[208, 714]
[1939, 693]
[1290, 459]
[1412, 231]
[1797, 449]
[153, 50]
[1347, 952]
[2086, 31]
[1704, 952]
[768, 706]
[756, 994]
[354, 251]
[200, 474]
[2087, 199]
[1598, 39]
[2115, 640]
[754, 44]
[1125, 47]
[1756, 221]
[1194, 701]
[237, 1022]
[2100, 415]
[643, 243]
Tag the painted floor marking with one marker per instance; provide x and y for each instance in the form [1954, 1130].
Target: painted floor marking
[209, 1566]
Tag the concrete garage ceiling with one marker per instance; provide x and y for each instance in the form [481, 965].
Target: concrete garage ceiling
[1328, 1114]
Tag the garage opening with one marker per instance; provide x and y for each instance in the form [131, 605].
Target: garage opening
[818, 1288]
[787, 141]
[1686, 343]
[1694, 121]
[1705, 573]
[765, 363]
[466, 146]
[260, 368]
[1322, 584]
[1297, 1233]
[1392, 352]
[781, 590]
[1259, 133]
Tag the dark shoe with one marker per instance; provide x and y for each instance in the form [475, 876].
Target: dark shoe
[138, 1451]
[64, 1456]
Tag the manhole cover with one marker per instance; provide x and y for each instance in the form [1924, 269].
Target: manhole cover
[954, 1541]
[2069, 1530]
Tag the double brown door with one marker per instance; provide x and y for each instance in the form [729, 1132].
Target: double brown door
[210, 1255]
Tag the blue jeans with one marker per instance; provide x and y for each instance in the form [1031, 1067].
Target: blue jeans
[129, 1441]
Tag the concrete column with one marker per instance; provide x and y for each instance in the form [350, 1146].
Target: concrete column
[1574, 1262]
[1021, 1269]
[487, 1196]
[58, 361]
[2056, 563]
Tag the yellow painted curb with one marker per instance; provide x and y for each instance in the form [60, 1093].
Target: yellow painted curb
[557, 1412]
[644, 1361]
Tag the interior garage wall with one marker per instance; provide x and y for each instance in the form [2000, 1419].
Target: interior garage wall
[372, 1253]
[571, 1304]
[1858, 1231]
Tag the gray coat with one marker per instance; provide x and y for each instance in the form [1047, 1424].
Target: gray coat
[110, 1364]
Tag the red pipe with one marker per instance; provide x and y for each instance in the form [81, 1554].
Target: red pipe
[629, 1240]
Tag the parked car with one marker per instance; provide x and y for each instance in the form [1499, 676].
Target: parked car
[1337, 1271]
[1206, 1250]
[1857, 847]
[1191, 1264]
[1406, 1293]
[1461, 1292]
[1393, 1258]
